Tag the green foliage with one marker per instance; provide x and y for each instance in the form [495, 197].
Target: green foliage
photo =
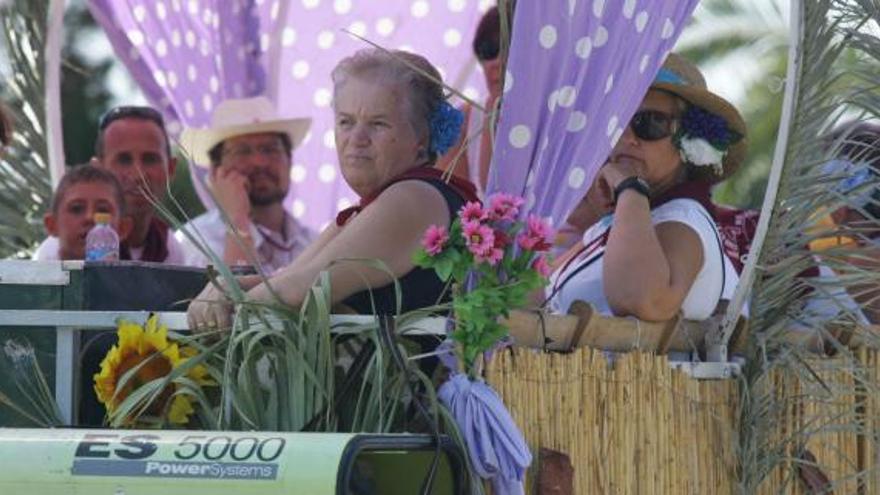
[831, 82]
[84, 92]
[25, 189]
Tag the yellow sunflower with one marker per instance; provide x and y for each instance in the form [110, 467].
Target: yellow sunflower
[148, 349]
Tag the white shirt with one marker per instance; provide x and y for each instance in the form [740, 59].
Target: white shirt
[48, 250]
[716, 279]
[829, 301]
[273, 253]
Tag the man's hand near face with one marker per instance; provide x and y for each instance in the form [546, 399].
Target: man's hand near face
[230, 188]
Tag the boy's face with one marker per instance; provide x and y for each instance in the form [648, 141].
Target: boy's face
[76, 216]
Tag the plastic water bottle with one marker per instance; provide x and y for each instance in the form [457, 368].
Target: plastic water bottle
[102, 242]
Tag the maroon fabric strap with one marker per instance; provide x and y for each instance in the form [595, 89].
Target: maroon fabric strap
[699, 191]
[737, 228]
[155, 245]
[462, 187]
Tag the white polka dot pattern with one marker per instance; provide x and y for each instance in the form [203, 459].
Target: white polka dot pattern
[193, 54]
[581, 68]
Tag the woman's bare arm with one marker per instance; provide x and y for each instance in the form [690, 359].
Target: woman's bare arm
[389, 230]
[647, 270]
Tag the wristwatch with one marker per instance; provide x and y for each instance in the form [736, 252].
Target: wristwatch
[636, 183]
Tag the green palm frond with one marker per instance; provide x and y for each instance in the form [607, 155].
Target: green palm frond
[826, 85]
[25, 190]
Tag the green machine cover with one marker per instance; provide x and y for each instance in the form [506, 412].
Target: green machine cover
[160, 462]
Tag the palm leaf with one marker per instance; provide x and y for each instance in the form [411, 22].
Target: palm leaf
[25, 190]
[831, 54]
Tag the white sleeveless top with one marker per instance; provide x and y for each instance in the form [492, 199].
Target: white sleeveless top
[716, 279]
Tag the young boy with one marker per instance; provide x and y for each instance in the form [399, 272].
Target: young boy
[83, 191]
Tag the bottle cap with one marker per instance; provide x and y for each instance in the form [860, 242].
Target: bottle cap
[102, 218]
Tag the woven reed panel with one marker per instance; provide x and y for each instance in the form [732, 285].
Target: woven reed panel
[637, 427]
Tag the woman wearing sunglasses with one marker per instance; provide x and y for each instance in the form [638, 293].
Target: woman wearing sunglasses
[657, 251]
[473, 163]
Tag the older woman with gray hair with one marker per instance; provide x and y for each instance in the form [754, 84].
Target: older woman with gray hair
[392, 122]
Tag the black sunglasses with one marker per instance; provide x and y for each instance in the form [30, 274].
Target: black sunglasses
[652, 125]
[127, 112]
[487, 49]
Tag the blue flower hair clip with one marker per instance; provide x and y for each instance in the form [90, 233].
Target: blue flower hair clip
[445, 127]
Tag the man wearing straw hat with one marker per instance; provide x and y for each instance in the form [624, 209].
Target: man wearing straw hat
[249, 149]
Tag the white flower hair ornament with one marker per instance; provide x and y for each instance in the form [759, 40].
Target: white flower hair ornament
[704, 138]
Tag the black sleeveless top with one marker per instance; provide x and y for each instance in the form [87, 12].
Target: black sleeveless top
[420, 287]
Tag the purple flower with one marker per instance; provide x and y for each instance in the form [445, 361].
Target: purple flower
[445, 127]
[698, 123]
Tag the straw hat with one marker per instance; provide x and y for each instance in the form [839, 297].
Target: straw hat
[682, 78]
[238, 117]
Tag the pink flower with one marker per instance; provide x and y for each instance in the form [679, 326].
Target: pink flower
[536, 236]
[479, 237]
[491, 256]
[504, 206]
[472, 211]
[541, 266]
[435, 238]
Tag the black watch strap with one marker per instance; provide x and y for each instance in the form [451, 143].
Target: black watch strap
[636, 183]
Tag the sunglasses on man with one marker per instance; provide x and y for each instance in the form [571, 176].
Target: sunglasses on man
[653, 125]
[127, 112]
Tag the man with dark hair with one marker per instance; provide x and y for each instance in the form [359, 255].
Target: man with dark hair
[133, 144]
[249, 150]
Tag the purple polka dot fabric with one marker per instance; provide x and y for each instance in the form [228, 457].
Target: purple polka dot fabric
[576, 74]
[188, 55]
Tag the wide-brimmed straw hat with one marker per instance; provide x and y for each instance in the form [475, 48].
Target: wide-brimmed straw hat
[683, 79]
[238, 117]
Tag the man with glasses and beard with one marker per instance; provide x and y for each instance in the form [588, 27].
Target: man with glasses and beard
[133, 144]
[249, 150]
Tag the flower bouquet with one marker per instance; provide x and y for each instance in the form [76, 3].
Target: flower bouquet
[494, 263]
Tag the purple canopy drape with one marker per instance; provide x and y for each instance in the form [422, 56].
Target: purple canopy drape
[188, 55]
[576, 74]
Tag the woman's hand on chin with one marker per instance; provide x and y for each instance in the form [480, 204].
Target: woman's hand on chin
[609, 177]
